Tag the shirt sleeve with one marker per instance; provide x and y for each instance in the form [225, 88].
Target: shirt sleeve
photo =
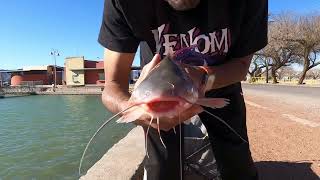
[115, 33]
[253, 30]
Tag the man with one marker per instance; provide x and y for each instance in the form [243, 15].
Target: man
[227, 31]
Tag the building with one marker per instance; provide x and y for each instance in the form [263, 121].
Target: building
[36, 75]
[80, 72]
[5, 77]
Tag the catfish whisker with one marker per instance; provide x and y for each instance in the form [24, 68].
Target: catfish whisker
[221, 120]
[94, 135]
[160, 134]
[180, 146]
[146, 145]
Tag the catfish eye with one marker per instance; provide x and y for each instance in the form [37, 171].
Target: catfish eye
[146, 94]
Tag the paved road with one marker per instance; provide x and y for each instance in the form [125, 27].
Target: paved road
[313, 92]
[284, 131]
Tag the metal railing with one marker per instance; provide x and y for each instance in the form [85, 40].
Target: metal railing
[31, 83]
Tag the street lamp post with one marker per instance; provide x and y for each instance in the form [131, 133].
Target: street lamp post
[54, 53]
[1, 81]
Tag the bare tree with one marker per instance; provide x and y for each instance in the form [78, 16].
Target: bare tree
[313, 74]
[259, 66]
[281, 53]
[267, 63]
[256, 66]
[302, 32]
[278, 58]
[287, 71]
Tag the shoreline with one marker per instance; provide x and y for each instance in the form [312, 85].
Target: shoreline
[122, 161]
[97, 90]
[61, 90]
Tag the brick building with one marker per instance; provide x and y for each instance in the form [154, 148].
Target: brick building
[36, 75]
[79, 72]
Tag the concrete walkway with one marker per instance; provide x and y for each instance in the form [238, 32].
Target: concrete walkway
[122, 161]
[283, 127]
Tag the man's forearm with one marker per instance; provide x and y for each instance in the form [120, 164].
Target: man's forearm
[117, 67]
[115, 97]
[231, 72]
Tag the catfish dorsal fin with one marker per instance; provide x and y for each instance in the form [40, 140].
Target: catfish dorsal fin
[213, 102]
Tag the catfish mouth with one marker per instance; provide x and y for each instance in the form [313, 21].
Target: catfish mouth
[168, 104]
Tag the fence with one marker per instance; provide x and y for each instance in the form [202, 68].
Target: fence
[31, 83]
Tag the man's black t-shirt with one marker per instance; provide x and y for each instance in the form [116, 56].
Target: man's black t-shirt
[224, 29]
[221, 29]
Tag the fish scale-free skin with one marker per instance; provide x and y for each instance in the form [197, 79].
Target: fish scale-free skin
[166, 82]
[167, 91]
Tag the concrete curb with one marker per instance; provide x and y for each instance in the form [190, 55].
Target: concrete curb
[122, 161]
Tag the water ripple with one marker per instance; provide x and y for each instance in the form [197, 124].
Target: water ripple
[42, 137]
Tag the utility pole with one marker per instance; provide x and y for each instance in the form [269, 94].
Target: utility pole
[267, 71]
[54, 53]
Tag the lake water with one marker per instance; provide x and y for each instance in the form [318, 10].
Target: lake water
[43, 137]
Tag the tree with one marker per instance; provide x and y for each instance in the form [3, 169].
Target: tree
[281, 53]
[255, 69]
[302, 32]
[313, 74]
[279, 57]
[287, 72]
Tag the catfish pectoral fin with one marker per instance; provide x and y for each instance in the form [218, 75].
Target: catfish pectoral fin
[131, 115]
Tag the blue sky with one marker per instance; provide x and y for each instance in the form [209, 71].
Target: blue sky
[29, 29]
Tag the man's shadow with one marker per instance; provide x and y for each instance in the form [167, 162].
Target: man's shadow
[277, 170]
[271, 170]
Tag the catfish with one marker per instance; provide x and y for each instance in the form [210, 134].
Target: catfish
[166, 91]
